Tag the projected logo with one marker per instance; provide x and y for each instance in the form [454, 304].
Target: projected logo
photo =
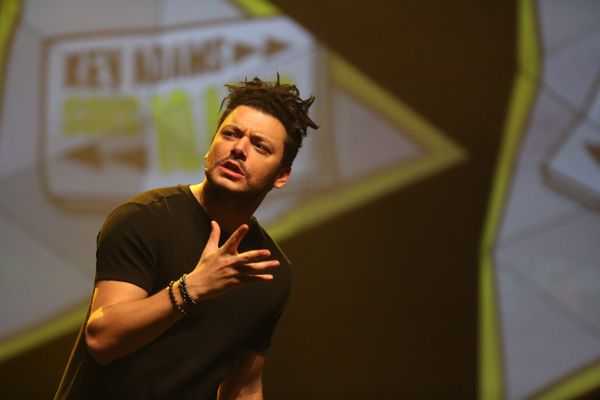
[124, 110]
[127, 112]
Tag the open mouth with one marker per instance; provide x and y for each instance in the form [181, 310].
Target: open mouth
[232, 166]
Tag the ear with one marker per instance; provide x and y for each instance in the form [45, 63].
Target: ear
[282, 178]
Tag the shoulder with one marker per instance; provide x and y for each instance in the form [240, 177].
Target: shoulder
[156, 197]
[151, 200]
[144, 207]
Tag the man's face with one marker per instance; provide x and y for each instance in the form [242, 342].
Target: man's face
[245, 155]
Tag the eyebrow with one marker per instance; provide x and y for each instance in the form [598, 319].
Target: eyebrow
[257, 135]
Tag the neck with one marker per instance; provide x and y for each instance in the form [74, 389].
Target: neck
[228, 210]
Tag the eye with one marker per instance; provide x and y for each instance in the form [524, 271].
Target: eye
[263, 148]
[229, 133]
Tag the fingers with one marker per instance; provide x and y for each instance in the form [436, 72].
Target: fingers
[255, 272]
[250, 256]
[231, 245]
[254, 278]
[215, 235]
[257, 268]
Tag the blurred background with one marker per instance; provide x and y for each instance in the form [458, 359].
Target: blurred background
[443, 222]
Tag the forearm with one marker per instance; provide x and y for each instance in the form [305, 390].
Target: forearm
[122, 328]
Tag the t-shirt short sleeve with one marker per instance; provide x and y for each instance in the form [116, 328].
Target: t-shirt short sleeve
[127, 245]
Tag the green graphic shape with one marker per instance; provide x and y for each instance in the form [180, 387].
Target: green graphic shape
[522, 99]
[176, 141]
[10, 12]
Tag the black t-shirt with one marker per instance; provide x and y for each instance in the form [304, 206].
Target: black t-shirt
[149, 241]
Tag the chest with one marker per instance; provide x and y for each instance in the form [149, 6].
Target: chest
[181, 242]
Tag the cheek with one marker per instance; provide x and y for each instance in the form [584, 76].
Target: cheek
[209, 159]
[270, 171]
[218, 150]
[213, 153]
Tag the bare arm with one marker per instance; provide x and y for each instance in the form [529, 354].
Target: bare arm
[244, 382]
[124, 318]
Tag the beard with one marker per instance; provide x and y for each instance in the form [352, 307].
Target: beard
[251, 191]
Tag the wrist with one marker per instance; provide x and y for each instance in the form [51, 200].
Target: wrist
[177, 300]
[187, 297]
[195, 289]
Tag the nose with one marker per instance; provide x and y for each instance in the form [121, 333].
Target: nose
[239, 149]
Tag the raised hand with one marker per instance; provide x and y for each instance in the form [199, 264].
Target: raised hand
[222, 269]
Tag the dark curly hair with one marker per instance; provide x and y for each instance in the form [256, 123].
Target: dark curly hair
[279, 100]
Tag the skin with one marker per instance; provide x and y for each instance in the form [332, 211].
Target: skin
[242, 166]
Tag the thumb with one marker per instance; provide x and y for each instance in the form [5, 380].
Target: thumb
[215, 234]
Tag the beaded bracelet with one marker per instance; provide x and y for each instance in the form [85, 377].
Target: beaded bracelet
[174, 300]
[187, 299]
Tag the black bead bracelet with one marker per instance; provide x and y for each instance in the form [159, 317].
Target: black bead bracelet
[185, 293]
[174, 300]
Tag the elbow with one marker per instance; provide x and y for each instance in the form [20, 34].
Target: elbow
[97, 345]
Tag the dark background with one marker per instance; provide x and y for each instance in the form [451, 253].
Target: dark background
[385, 297]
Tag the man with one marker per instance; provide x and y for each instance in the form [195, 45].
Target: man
[181, 308]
